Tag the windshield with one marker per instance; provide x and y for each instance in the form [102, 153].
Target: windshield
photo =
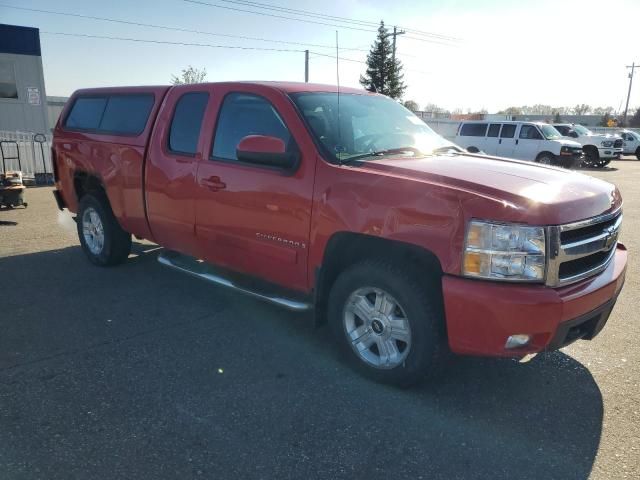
[368, 124]
[549, 132]
[580, 130]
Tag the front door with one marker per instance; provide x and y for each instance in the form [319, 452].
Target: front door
[528, 143]
[252, 218]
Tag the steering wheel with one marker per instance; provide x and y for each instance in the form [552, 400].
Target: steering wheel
[366, 143]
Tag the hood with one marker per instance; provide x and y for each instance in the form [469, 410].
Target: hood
[511, 190]
[567, 142]
[604, 136]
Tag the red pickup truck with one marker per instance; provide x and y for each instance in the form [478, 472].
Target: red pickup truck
[346, 203]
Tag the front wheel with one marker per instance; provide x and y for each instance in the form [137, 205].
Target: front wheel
[102, 239]
[388, 322]
[638, 153]
[546, 159]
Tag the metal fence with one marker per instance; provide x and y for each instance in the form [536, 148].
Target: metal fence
[29, 152]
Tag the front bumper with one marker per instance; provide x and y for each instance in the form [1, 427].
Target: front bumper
[481, 315]
[609, 152]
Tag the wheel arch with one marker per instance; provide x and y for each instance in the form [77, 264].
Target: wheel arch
[345, 249]
[86, 182]
[545, 152]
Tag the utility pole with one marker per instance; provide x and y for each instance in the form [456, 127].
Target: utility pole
[306, 66]
[633, 66]
[395, 34]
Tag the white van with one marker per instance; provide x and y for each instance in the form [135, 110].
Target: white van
[531, 141]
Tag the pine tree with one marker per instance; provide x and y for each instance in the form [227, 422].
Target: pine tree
[383, 74]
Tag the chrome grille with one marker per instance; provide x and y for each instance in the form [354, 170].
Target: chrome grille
[582, 249]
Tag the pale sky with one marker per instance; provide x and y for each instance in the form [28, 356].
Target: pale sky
[510, 52]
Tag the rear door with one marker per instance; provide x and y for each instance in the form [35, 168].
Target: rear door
[528, 143]
[506, 141]
[171, 168]
[493, 137]
[252, 218]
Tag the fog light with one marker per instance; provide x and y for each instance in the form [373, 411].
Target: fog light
[515, 341]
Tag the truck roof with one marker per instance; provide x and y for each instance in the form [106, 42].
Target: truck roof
[286, 87]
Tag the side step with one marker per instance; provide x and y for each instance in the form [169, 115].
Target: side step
[258, 289]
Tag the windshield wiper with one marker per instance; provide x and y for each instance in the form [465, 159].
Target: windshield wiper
[381, 153]
[447, 149]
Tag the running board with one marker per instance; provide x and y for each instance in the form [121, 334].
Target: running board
[200, 269]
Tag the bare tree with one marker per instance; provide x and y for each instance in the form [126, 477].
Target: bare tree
[581, 109]
[189, 75]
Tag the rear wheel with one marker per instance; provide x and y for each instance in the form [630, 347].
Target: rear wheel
[102, 239]
[638, 153]
[473, 150]
[388, 322]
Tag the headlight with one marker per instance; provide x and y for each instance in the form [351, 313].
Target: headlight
[607, 143]
[505, 252]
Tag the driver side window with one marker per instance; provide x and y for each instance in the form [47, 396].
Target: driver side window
[529, 132]
[245, 114]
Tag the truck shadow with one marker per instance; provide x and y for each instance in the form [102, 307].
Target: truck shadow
[154, 340]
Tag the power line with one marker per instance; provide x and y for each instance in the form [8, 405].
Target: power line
[167, 42]
[363, 62]
[276, 16]
[301, 12]
[177, 29]
[316, 22]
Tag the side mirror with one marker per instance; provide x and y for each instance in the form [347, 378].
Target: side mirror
[265, 150]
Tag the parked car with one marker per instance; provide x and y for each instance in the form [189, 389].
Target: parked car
[407, 245]
[631, 143]
[599, 149]
[530, 141]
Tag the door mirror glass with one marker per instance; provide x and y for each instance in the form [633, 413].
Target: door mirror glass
[265, 150]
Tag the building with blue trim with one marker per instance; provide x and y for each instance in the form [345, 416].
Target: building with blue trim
[23, 105]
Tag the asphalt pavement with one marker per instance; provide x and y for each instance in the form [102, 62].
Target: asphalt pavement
[142, 372]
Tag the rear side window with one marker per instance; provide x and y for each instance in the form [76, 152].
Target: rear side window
[111, 114]
[126, 114]
[473, 130]
[508, 131]
[86, 113]
[494, 130]
[186, 122]
[241, 115]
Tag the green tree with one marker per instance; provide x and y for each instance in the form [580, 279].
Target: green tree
[557, 118]
[383, 75]
[411, 105]
[189, 75]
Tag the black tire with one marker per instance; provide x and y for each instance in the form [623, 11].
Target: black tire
[546, 158]
[473, 150]
[117, 243]
[591, 157]
[638, 153]
[421, 303]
